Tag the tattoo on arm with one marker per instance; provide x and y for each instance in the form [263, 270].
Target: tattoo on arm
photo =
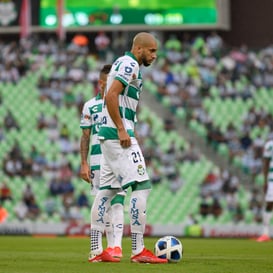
[84, 146]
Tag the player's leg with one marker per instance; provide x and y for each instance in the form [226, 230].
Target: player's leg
[137, 212]
[138, 203]
[117, 208]
[267, 215]
[109, 230]
[100, 206]
[99, 211]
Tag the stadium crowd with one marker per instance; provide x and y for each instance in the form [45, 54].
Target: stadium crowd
[188, 70]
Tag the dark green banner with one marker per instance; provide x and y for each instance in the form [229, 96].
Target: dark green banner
[134, 12]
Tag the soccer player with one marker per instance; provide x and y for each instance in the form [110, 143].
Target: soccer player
[90, 122]
[268, 189]
[121, 155]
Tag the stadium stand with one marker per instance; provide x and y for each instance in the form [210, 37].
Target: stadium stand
[44, 100]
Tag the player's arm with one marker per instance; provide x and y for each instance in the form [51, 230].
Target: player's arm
[112, 102]
[85, 173]
[266, 163]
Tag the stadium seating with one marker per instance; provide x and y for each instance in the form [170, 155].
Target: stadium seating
[164, 206]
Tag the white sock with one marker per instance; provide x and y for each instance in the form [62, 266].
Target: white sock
[100, 205]
[117, 222]
[95, 239]
[109, 228]
[266, 222]
[138, 218]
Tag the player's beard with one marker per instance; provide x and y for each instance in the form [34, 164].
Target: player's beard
[145, 62]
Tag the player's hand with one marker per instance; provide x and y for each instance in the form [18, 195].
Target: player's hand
[85, 173]
[124, 138]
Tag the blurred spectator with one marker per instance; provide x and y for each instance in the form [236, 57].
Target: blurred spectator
[41, 121]
[12, 166]
[235, 148]
[16, 151]
[21, 210]
[169, 124]
[216, 208]
[175, 182]
[52, 128]
[67, 193]
[191, 154]
[65, 171]
[55, 186]
[71, 214]
[238, 214]
[64, 140]
[10, 73]
[212, 183]
[230, 183]
[64, 132]
[173, 49]
[245, 141]
[10, 122]
[53, 166]
[28, 195]
[154, 172]
[33, 209]
[50, 205]
[69, 98]
[102, 43]
[215, 44]
[205, 204]
[119, 43]
[5, 192]
[82, 200]
[27, 169]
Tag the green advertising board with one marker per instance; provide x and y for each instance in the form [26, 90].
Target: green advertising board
[82, 13]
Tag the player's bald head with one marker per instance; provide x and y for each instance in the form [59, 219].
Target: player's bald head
[144, 48]
[143, 39]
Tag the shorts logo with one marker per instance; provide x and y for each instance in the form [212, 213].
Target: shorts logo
[140, 170]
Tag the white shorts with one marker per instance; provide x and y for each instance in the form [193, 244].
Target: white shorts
[269, 192]
[121, 167]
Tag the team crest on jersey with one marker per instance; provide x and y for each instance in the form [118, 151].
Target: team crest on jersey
[140, 170]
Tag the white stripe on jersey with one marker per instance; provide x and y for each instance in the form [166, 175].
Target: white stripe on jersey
[126, 70]
[91, 118]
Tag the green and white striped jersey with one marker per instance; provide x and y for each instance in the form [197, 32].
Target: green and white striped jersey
[126, 70]
[91, 119]
[268, 153]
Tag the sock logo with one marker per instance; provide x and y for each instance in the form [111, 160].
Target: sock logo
[119, 226]
[102, 209]
[134, 213]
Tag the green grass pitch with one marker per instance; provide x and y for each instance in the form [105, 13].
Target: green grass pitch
[69, 255]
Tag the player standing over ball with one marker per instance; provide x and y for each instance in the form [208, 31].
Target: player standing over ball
[268, 189]
[90, 122]
[122, 164]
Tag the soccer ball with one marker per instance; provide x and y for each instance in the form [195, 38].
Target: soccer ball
[170, 248]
